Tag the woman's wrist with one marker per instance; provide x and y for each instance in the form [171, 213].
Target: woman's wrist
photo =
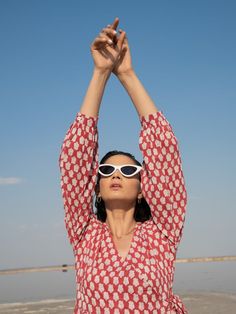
[101, 73]
[92, 100]
[123, 77]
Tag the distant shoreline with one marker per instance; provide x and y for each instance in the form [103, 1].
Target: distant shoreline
[66, 267]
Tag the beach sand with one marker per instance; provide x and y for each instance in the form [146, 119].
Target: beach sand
[210, 303]
[196, 303]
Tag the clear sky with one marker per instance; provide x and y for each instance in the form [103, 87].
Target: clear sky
[184, 53]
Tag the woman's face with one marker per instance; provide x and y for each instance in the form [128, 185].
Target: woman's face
[117, 190]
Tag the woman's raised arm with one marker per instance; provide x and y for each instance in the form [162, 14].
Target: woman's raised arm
[162, 180]
[105, 51]
[79, 156]
[140, 98]
[123, 69]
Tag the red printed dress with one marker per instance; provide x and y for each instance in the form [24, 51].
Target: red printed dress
[142, 282]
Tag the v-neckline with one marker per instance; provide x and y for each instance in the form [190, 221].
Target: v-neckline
[123, 259]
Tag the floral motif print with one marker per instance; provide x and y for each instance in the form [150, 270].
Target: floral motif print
[142, 282]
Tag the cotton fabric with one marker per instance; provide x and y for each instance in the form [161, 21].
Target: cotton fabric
[142, 282]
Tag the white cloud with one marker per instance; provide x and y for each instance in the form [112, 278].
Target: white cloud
[10, 181]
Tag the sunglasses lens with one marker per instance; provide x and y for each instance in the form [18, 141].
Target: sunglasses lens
[128, 170]
[106, 169]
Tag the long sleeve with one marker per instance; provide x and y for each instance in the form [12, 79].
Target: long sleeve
[162, 179]
[78, 165]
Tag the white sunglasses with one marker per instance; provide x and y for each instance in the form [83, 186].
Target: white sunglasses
[107, 170]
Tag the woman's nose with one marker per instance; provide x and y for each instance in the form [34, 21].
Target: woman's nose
[116, 174]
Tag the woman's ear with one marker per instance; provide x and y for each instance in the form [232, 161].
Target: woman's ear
[140, 195]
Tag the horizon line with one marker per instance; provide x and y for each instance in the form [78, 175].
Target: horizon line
[66, 267]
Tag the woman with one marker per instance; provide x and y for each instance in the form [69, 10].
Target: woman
[125, 252]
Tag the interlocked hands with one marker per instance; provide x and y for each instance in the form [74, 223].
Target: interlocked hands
[110, 50]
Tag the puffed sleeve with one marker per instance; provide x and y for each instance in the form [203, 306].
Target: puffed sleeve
[78, 165]
[162, 179]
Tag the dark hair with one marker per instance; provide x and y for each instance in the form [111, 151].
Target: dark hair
[142, 210]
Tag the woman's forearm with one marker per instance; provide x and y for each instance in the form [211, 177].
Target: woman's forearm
[93, 97]
[140, 98]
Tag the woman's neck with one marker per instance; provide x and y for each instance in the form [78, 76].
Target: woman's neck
[120, 222]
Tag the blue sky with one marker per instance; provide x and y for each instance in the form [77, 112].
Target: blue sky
[183, 52]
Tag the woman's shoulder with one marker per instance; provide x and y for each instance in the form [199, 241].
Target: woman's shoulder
[150, 230]
[95, 222]
[148, 227]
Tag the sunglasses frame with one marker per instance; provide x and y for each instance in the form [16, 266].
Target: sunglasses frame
[116, 167]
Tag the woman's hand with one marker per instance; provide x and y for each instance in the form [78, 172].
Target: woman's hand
[107, 47]
[124, 62]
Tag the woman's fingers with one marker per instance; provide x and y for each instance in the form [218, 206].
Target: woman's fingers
[100, 42]
[115, 23]
[106, 36]
[126, 39]
[109, 36]
[114, 26]
[121, 40]
[110, 33]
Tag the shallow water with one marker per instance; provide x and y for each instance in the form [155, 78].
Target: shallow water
[208, 277]
[192, 277]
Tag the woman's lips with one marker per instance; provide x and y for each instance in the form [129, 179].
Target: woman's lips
[115, 186]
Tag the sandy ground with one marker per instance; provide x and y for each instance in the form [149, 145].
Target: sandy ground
[210, 303]
[204, 303]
